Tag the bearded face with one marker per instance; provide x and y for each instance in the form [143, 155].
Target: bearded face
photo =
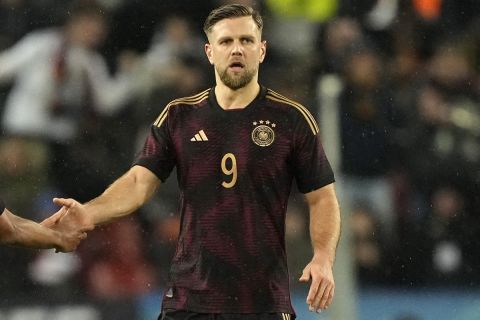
[236, 50]
[236, 80]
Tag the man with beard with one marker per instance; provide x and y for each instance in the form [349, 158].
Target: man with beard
[237, 148]
[26, 233]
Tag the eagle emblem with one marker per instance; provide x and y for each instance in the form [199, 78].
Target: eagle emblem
[263, 134]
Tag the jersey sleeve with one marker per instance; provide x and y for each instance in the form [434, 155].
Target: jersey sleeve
[310, 164]
[157, 153]
[2, 206]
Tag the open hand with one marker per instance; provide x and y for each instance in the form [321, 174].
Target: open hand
[322, 288]
[72, 215]
[70, 222]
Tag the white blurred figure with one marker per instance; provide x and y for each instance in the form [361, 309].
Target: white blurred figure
[173, 46]
[55, 71]
[61, 86]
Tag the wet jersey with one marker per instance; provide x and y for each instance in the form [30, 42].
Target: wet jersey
[235, 169]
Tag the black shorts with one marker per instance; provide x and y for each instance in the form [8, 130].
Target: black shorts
[186, 315]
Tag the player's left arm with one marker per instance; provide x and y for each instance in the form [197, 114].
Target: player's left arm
[325, 233]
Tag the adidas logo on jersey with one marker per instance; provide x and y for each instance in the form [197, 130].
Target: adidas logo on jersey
[200, 136]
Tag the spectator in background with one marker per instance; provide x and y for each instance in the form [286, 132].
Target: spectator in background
[61, 87]
[173, 65]
[448, 236]
[441, 249]
[366, 123]
[447, 128]
[334, 40]
[406, 74]
[368, 246]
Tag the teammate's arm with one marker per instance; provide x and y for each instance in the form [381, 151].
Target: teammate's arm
[17, 231]
[7, 230]
[124, 196]
[325, 233]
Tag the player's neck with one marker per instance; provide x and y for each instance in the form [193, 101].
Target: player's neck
[236, 99]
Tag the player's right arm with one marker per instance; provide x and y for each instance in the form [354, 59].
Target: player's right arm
[124, 196]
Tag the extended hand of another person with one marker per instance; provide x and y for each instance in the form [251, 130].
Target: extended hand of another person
[322, 287]
[69, 239]
[71, 222]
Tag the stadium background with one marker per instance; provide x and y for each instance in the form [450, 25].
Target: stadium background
[395, 85]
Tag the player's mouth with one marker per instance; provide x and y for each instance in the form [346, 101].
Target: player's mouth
[236, 66]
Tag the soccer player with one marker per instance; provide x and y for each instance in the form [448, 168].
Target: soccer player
[26, 233]
[236, 148]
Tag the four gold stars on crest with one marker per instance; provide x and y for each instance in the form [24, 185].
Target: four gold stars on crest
[267, 122]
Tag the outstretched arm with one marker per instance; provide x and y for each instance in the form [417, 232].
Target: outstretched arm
[18, 231]
[123, 197]
[325, 233]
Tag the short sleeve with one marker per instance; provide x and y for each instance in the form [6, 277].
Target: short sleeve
[310, 164]
[157, 154]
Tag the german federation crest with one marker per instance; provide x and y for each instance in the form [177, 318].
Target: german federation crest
[263, 134]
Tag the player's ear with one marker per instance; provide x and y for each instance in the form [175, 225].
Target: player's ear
[263, 50]
[208, 52]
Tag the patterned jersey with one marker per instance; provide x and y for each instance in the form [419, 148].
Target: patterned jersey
[235, 170]
[2, 206]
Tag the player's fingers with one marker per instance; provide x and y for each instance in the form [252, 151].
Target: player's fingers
[330, 294]
[64, 202]
[312, 293]
[53, 219]
[87, 228]
[327, 297]
[305, 277]
[320, 296]
[49, 222]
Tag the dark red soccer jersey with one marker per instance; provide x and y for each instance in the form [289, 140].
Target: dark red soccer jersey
[235, 170]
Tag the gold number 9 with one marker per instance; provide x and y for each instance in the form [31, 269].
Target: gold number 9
[232, 171]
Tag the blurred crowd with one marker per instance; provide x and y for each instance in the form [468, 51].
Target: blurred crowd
[81, 81]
